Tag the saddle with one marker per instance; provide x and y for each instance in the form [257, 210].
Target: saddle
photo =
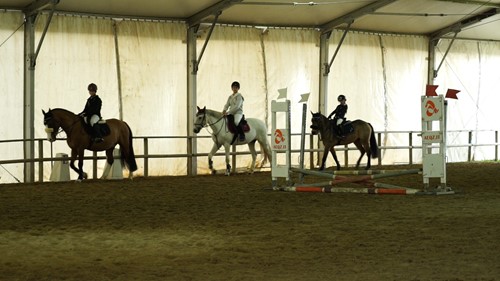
[101, 125]
[346, 125]
[232, 127]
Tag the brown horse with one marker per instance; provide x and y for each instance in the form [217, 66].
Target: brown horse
[362, 136]
[79, 139]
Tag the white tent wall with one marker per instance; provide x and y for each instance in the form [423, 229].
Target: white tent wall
[11, 89]
[292, 57]
[405, 65]
[76, 51]
[232, 54]
[153, 83]
[383, 77]
[472, 68]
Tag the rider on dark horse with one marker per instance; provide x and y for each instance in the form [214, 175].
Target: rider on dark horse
[234, 106]
[339, 117]
[92, 112]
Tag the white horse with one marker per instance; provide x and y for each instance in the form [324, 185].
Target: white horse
[223, 137]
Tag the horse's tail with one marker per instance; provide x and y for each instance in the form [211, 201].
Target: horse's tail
[373, 143]
[266, 150]
[129, 158]
[264, 143]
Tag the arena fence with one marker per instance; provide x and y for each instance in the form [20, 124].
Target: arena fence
[413, 145]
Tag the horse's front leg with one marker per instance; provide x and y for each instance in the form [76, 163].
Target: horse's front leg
[214, 150]
[74, 154]
[334, 154]
[323, 160]
[81, 174]
[228, 166]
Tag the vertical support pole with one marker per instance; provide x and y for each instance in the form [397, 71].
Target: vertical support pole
[146, 157]
[324, 69]
[496, 146]
[94, 165]
[302, 141]
[410, 144]
[118, 69]
[280, 141]
[29, 98]
[192, 69]
[431, 54]
[469, 143]
[40, 161]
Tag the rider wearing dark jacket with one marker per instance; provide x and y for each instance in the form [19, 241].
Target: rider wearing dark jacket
[92, 111]
[340, 112]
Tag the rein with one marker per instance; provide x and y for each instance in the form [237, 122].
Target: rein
[213, 133]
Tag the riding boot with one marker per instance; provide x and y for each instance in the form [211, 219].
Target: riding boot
[240, 132]
[97, 133]
[341, 131]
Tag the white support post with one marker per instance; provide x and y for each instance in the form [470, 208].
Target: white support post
[60, 171]
[434, 141]
[280, 142]
[116, 172]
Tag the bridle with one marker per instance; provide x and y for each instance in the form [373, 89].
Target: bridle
[50, 130]
[205, 124]
[203, 121]
[316, 127]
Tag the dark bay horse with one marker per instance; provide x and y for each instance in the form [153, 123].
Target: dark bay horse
[363, 138]
[79, 139]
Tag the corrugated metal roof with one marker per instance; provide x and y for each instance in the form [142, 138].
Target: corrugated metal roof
[422, 17]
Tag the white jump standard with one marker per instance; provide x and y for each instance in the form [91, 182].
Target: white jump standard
[433, 160]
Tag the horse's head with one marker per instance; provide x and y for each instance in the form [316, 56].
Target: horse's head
[51, 125]
[317, 122]
[200, 120]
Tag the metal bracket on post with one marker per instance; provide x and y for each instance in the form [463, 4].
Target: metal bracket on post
[338, 46]
[208, 38]
[445, 54]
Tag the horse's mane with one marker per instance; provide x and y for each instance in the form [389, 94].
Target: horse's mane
[216, 114]
[62, 109]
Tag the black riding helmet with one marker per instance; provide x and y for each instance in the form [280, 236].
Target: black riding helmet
[235, 84]
[92, 87]
[341, 98]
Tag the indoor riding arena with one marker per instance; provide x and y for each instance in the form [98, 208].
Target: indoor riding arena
[237, 228]
[273, 140]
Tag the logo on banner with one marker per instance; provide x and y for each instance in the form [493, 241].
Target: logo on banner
[431, 108]
[279, 142]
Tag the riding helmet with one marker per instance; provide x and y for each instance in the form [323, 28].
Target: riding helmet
[341, 98]
[92, 87]
[235, 84]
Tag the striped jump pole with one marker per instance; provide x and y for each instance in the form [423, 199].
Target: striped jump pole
[342, 179]
[381, 191]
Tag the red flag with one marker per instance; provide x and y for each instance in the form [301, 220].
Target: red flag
[452, 94]
[430, 90]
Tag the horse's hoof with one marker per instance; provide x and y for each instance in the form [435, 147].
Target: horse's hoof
[85, 175]
[214, 172]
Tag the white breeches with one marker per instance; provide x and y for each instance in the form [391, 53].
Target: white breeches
[92, 120]
[237, 118]
[339, 121]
